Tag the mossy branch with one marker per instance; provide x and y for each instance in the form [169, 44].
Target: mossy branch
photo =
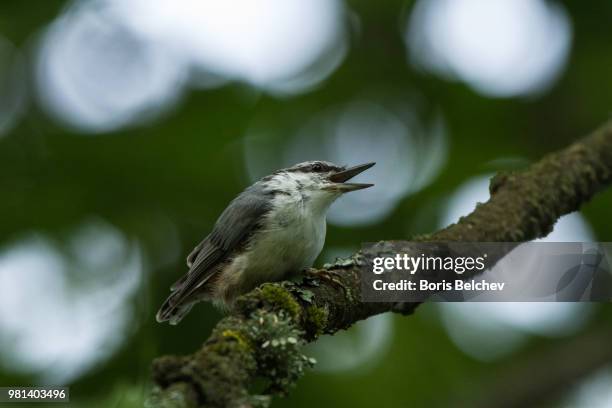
[262, 338]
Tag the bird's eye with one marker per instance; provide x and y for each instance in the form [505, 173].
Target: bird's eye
[317, 167]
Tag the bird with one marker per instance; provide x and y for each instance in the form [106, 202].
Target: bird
[270, 232]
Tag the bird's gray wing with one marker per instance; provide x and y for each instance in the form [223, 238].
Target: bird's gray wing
[231, 231]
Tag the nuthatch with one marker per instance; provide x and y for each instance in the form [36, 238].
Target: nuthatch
[270, 232]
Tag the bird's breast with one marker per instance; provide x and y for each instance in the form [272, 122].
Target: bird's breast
[288, 241]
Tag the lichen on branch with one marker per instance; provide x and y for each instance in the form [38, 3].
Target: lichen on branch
[263, 337]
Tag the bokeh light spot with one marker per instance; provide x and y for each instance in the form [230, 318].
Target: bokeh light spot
[106, 64]
[64, 310]
[97, 76]
[359, 347]
[265, 43]
[501, 48]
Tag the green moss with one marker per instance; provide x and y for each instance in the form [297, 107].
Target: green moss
[236, 335]
[166, 369]
[222, 348]
[278, 297]
[316, 320]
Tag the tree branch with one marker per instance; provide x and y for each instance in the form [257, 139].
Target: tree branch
[262, 338]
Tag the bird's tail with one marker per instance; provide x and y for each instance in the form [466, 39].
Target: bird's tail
[173, 309]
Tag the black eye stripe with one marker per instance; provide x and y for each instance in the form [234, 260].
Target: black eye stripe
[314, 166]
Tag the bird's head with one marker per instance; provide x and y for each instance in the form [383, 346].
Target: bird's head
[320, 181]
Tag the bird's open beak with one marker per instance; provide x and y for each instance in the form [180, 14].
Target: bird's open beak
[338, 179]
